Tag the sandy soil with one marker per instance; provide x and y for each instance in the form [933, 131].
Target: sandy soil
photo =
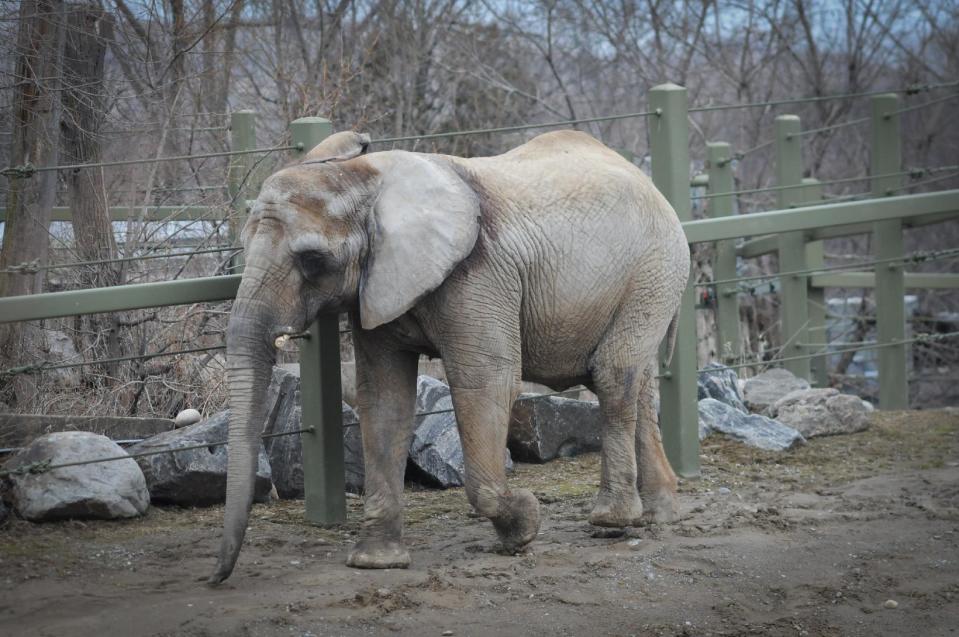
[812, 542]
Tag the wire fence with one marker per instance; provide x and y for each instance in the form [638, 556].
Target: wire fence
[44, 466]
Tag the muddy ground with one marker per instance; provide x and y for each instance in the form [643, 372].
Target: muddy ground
[811, 542]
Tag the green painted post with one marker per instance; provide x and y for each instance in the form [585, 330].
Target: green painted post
[669, 146]
[324, 480]
[792, 246]
[242, 137]
[720, 170]
[890, 280]
[816, 306]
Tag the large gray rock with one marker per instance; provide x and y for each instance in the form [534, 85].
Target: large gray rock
[544, 428]
[436, 454]
[764, 389]
[821, 412]
[284, 414]
[751, 429]
[103, 490]
[719, 382]
[195, 477]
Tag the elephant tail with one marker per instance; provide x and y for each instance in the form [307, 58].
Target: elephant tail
[671, 337]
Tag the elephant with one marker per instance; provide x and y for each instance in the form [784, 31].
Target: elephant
[557, 262]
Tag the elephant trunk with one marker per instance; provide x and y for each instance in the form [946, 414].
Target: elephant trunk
[250, 358]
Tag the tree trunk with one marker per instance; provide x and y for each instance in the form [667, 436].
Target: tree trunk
[36, 141]
[89, 30]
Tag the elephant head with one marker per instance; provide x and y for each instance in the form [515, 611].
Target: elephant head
[340, 231]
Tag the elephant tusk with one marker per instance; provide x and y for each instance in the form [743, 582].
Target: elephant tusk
[286, 336]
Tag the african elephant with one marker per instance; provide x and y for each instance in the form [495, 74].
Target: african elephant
[557, 262]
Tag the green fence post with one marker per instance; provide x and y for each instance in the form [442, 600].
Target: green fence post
[816, 305]
[324, 480]
[242, 137]
[720, 170]
[669, 147]
[792, 247]
[890, 279]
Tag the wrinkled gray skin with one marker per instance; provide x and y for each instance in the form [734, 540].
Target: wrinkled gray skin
[557, 262]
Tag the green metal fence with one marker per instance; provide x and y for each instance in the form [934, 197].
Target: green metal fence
[795, 231]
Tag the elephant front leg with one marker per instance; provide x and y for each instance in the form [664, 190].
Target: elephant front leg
[386, 393]
[483, 417]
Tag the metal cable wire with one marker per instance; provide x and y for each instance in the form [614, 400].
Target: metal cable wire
[915, 173]
[32, 267]
[28, 170]
[920, 256]
[910, 90]
[508, 129]
[46, 366]
[822, 129]
[914, 107]
[921, 338]
[44, 466]
[742, 154]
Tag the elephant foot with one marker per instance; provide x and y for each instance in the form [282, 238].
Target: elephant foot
[518, 521]
[372, 553]
[662, 507]
[613, 511]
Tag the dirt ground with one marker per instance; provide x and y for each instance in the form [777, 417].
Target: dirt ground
[811, 542]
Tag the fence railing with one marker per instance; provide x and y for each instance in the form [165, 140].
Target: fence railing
[794, 231]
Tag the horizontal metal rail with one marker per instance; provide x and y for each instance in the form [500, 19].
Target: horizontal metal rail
[122, 297]
[764, 245]
[822, 216]
[128, 297]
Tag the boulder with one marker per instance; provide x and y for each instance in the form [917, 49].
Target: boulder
[104, 490]
[544, 428]
[764, 389]
[436, 454]
[751, 429]
[821, 412]
[195, 477]
[284, 414]
[719, 382]
[186, 418]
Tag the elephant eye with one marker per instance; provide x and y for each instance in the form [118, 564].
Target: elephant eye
[313, 263]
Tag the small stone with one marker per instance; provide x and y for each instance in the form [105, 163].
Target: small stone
[723, 491]
[186, 418]
[890, 603]
[447, 633]
[383, 592]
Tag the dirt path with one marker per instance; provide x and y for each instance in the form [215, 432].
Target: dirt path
[812, 542]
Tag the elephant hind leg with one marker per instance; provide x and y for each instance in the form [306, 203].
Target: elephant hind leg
[657, 481]
[615, 379]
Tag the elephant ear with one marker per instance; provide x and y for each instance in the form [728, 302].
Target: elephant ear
[338, 147]
[424, 222]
